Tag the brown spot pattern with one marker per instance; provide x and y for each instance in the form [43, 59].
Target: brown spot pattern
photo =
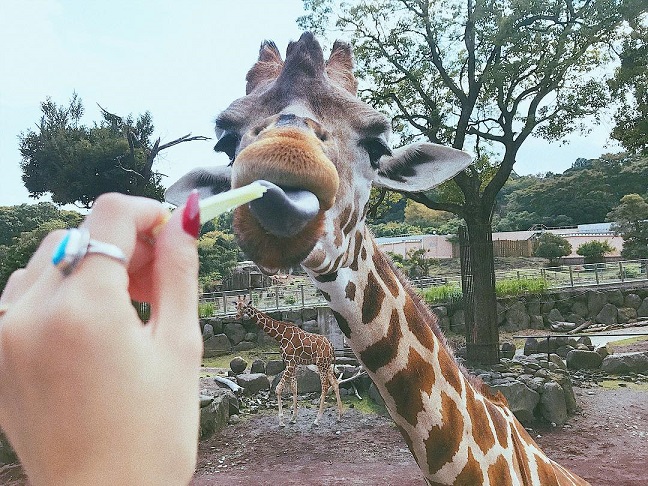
[499, 423]
[385, 272]
[343, 324]
[327, 277]
[471, 474]
[406, 385]
[326, 296]
[546, 472]
[356, 251]
[499, 473]
[348, 227]
[443, 442]
[481, 429]
[450, 371]
[372, 300]
[383, 351]
[350, 291]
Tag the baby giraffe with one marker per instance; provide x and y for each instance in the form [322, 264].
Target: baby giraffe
[297, 347]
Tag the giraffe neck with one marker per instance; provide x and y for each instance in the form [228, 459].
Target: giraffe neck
[272, 327]
[457, 431]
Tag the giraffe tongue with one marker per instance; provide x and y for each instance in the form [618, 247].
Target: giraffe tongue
[284, 212]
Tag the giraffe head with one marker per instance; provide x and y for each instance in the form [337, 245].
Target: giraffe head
[302, 129]
[242, 307]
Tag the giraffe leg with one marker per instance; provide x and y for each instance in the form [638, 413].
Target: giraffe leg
[325, 386]
[289, 371]
[336, 389]
[293, 386]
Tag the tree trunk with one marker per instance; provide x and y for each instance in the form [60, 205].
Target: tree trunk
[478, 283]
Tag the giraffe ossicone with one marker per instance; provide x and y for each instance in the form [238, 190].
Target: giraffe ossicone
[298, 347]
[458, 432]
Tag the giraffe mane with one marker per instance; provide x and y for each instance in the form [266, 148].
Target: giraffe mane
[429, 317]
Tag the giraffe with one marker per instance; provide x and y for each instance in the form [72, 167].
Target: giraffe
[298, 347]
[301, 128]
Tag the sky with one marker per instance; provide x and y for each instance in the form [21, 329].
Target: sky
[184, 61]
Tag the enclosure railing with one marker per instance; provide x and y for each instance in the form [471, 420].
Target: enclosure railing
[299, 296]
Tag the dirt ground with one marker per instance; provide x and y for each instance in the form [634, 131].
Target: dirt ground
[606, 442]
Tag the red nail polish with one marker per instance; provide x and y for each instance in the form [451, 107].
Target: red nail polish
[191, 215]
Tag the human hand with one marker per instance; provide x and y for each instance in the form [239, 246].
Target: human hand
[89, 394]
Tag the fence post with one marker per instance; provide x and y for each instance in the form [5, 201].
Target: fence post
[621, 272]
[596, 273]
[277, 297]
[301, 290]
[571, 275]
[224, 303]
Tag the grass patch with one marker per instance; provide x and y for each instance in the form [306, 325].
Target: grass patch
[442, 294]
[366, 405]
[616, 384]
[515, 286]
[627, 341]
[249, 356]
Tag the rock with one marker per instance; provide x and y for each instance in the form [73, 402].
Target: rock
[557, 360]
[214, 416]
[579, 359]
[580, 308]
[642, 311]
[626, 362]
[536, 322]
[507, 350]
[258, 366]
[253, 382]
[517, 317]
[614, 297]
[308, 381]
[275, 366]
[577, 319]
[595, 302]
[208, 331]
[521, 399]
[458, 322]
[530, 346]
[554, 315]
[250, 336]
[586, 341]
[215, 322]
[626, 314]
[234, 331]
[311, 326]
[632, 300]
[244, 346]
[552, 403]
[607, 315]
[238, 365]
[604, 351]
[534, 307]
[217, 345]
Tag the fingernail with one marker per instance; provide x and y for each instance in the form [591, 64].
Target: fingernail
[191, 215]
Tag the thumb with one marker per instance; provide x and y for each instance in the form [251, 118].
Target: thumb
[175, 270]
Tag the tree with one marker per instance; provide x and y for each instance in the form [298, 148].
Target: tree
[15, 220]
[483, 75]
[630, 88]
[75, 163]
[218, 254]
[552, 247]
[594, 251]
[630, 219]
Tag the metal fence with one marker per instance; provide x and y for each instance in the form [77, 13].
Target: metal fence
[298, 296]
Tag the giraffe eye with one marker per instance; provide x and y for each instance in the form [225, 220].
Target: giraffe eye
[228, 143]
[376, 148]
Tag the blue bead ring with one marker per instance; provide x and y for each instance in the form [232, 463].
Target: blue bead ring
[76, 244]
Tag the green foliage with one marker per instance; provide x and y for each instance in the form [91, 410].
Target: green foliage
[394, 228]
[630, 88]
[23, 227]
[517, 286]
[447, 293]
[76, 163]
[205, 309]
[594, 251]
[552, 247]
[218, 253]
[631, 222]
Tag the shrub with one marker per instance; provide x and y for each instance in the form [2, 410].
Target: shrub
[594, 251]
[552, 247]
[205, 309]
[442, 294]
[513, 286]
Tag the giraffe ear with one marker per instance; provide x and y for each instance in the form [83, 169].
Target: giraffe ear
[419, 167]
[208, 181]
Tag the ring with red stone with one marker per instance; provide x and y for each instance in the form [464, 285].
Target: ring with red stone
[76, 244]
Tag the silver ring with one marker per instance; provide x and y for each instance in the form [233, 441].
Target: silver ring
[76, 245]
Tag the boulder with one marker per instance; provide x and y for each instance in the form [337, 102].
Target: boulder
[258, 366]
[536, 322]
[642, 310]
[607, 315]
[234, 331]
[238, 365]
[554, 315]
[215, 322]
[517, 317]
[552, 403]
[530, 346]
[275, 366]
[604, 351]
[595, 302]
[458, 322]
[217, 345]
[632, 300]
[308, 380]
[214, 416]
[570, 397]
[614, 297]
[507, 350]
[626, 362]
[580, 359]
[521, 399]
[208, 331]
[626, 314]
[311, 326]
[580, 308]
[253, 382]
[244, 346]
[374, 394]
